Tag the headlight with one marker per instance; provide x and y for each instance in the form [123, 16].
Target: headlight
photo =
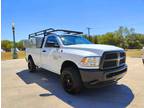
[90, 61]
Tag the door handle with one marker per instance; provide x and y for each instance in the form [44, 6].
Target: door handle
[44, 51]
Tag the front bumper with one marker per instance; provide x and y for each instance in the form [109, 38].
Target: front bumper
[93, 77]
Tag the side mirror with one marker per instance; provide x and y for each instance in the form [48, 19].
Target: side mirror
[51, 44]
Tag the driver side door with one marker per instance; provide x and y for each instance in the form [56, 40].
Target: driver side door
[49, 53]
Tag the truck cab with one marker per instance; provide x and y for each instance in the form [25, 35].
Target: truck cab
[79, 62]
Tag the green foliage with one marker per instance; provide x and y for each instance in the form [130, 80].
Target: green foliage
[20, 45]
[135, 41]
[6, 45]
[123, 37]
[108, 38]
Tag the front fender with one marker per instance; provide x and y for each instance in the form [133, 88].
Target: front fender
[76, 56]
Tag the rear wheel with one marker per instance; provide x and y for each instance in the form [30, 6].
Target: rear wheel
[71, 80]
[31, 65]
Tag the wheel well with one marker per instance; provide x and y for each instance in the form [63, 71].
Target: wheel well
[30, 57]
[68, 64]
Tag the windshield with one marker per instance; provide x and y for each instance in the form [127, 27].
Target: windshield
[72, 40]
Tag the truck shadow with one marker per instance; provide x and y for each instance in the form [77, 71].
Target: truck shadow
[116, 96]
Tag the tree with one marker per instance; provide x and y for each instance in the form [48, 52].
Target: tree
[135, 41]
[123, 37]
[95, 39]
[19, 45]
[6, 45]
[108, 38]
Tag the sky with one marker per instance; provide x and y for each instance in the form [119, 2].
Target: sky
[101, 15]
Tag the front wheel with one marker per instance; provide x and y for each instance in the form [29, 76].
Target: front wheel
[71, 80]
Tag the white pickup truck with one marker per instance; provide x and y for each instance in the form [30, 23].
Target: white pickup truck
[79, 62]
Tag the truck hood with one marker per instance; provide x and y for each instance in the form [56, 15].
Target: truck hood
[95, 49]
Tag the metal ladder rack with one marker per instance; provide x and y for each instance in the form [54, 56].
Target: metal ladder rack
[51, 30]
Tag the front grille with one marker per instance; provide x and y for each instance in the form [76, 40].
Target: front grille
[122, 61]
[108, 64]
[112, 60]
[122, 54]
[111, 56]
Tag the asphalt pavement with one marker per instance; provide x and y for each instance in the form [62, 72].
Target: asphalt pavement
[21, 89]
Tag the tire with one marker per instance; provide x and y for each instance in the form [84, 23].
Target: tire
[31, 65]
[71, 80]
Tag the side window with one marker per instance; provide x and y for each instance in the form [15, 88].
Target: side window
[51, 40]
